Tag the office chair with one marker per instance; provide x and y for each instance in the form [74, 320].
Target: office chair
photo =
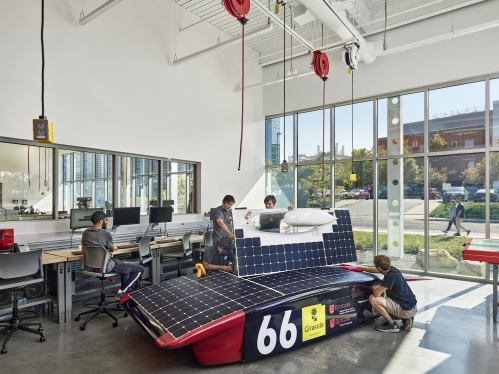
[208, 242]
[185, 253]
[145, 256]
[15, 271]
[97, 258]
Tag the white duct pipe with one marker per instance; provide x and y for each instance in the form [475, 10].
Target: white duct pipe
[325, 11]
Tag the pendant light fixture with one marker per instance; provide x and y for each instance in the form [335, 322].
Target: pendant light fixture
[239, 9]
[284, 165]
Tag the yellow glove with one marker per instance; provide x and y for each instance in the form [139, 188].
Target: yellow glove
[201, 270]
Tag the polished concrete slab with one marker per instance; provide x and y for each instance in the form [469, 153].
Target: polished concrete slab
[453, 333]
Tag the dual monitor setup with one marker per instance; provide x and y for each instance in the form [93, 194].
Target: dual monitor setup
[80, 218]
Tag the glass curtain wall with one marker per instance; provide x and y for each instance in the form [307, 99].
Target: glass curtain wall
[25, 182]
[421, 164]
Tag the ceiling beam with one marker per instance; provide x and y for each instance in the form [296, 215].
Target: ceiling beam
[98, 11]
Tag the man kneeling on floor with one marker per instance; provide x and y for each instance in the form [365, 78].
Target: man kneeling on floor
[399, 303]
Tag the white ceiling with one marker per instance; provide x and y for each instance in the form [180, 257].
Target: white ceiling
[399, 12]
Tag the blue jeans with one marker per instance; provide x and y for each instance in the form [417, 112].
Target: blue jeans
[130, 273]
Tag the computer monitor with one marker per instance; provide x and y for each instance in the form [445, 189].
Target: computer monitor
[126, 216]
[6, 239]
[160, 214]
[80, 218]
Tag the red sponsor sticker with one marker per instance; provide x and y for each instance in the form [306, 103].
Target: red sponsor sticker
[331, 323]
[331, 309]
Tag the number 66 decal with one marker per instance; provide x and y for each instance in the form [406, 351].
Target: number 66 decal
[265, 331]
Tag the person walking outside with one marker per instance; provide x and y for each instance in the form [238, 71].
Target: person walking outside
[460, 210]
[451, 216]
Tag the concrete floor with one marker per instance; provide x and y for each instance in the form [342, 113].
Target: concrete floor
[453, 333]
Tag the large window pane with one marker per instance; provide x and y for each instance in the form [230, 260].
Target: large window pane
[25, 182]
[310, 135]
[457, 117]
[178, 187]
[85, 174]
[137, 182]
[356, 196]
[280, 185]
[457, 176]
[314, 191]
[411, 119]
[494, 113]
[401, 211]
[274, 140]
[362, 130]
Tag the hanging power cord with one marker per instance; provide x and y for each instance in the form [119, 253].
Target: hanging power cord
[29, 173]
[175, 33]
[384, 34]
[284, 167]
[239, 9]
[352, 121]
[43, 62]
[323, 125]
[39, 173]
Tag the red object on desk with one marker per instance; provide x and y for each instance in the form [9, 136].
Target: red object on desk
[6, 240]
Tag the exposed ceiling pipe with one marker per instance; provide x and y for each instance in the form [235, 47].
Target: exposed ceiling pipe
[333, 16]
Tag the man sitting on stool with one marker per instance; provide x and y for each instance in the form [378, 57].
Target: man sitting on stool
[97, 236]
[399, 303]
[217, 257]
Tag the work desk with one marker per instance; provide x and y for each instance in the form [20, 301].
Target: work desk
[63, 259]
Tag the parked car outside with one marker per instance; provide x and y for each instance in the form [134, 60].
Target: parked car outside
[453, 193]
[471, 192]
[480, 195]
[360, 194]
[433, 194]
[341, 193]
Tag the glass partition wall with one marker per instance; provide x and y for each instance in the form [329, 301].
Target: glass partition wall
[32, 183]
[398, 165]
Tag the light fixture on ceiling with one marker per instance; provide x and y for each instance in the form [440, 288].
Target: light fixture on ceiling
[98, 11]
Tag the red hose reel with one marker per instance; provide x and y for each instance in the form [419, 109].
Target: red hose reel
[321, 64]
[238, 9]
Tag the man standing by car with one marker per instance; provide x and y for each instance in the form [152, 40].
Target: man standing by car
[459, 218]
[223, 224]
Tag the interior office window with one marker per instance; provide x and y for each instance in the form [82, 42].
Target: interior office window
[456, 114]
[274, 140]
[494, 113]
[362, 140]
[179, 187]
[456, 178]
[313, 190]
[310, 135]
[280, 185]
[411, 122]
[137, 182]
[25, 182]
[85, 180]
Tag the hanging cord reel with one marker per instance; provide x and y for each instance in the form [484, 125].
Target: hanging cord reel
[320, 63]
[239, 9]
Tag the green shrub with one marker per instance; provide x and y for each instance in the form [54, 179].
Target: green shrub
[473, 210]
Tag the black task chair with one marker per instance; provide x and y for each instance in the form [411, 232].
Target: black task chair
[97, 258]
[207, 242]
[15, 271]
[145, 256]
[186, 252]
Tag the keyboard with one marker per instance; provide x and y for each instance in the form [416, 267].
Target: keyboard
[166, 241]
[126, 246]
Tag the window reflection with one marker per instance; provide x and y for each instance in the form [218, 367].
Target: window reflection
[178, 187]
[25, 182]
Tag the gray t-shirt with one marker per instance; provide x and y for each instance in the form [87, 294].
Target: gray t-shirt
[212, 256]
[226, 216]
[99, 238]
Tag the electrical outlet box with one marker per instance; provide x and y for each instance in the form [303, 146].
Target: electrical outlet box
[43, 131]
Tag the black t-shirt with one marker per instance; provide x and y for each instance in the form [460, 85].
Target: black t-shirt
[212, 256]
[460, 207]
[398, 290]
